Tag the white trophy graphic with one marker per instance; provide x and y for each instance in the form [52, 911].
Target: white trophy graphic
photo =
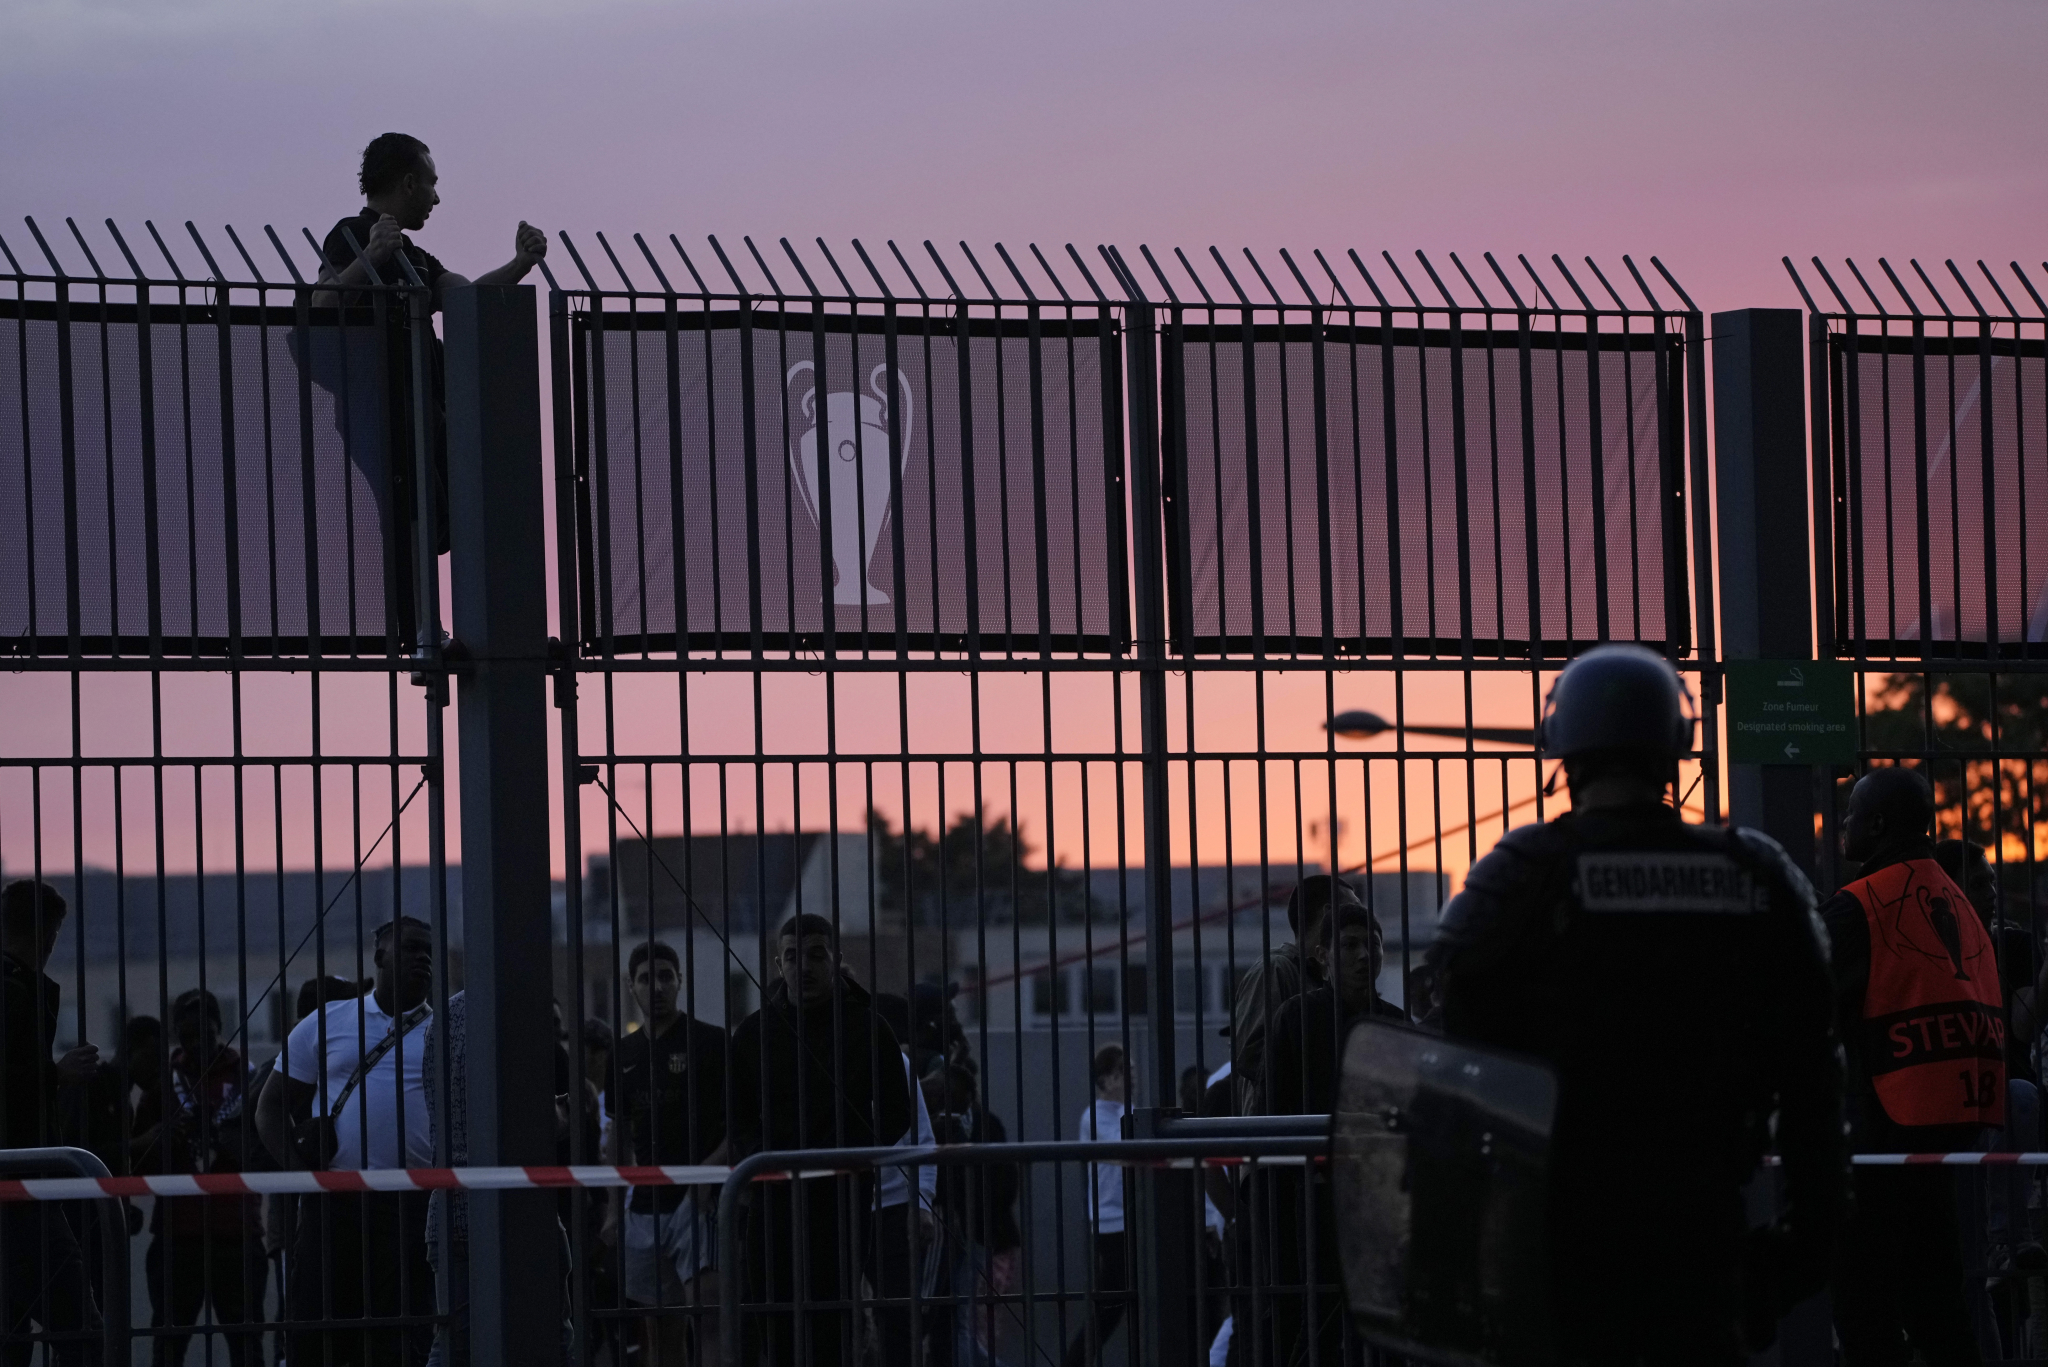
[859, 487]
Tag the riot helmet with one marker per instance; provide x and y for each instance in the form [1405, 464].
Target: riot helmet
[1618, 699]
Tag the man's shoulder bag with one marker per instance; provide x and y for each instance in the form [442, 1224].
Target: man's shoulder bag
[315, 1139]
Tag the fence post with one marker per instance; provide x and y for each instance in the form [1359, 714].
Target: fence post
[1760, 470]
[1765, 520]
[496, 503]
[1161, 1221]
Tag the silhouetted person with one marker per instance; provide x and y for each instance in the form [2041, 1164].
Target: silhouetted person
[978, 1217]
[281, 1210]
[204, 1248]
[42, 1275]
[814, 1068]
[936, 1036]
[668, 1107]
[903, 1225]
[1675, 979]
[368, 369]
[1308, 1049]
[1102, 1123]
[349, 1094]
[1921, 1012]
[104, 1113]
[1281, 976]
[401, 187]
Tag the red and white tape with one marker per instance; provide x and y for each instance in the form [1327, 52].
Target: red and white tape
[450, 1179]
[703, 1175]
[374, 1180]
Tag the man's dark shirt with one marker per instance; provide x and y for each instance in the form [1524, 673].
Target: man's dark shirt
[28, 1018]
[977, 1203]
[1307, 1038]
[1849, 938]
[671, 1093]
[341, 256]
[208, 1126]
[99, 1114]
[817, 1086]
[396, 502]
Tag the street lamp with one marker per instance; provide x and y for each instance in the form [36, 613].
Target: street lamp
[1362, 725]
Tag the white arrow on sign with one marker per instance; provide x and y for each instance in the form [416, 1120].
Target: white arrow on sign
[1791, 751]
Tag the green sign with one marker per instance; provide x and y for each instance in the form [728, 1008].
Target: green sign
[1791, 712]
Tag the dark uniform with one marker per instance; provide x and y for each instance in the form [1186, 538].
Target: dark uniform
[1675, 977]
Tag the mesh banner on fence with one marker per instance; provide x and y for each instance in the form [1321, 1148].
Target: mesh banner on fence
[187, 478]
[971, 484]
[1433, 487]
[1942, 464]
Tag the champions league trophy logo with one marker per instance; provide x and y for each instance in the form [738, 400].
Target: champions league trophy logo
[859, 486]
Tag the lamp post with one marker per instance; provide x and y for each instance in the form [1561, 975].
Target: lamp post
[1359, 724]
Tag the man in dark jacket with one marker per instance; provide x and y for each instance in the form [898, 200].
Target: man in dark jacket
[42, 1277]
[814, 1068]
[1307, 1046]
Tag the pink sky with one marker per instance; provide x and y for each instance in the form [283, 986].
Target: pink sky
[1716, 137]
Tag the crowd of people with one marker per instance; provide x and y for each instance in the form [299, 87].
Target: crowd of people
[922, 1259]
[371, 1077]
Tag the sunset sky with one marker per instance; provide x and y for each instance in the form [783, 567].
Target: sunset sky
[1717, 137]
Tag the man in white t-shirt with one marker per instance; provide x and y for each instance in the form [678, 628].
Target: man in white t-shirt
[359, 1061]
[1101, 1123]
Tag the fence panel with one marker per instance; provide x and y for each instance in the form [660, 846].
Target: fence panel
[1930, 432]
[217, 599]
[1027, 699]
[1485, 486]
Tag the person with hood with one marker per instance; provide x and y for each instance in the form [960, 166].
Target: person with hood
[815, 1068]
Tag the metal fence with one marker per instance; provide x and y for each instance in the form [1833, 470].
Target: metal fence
[220, 599]
[993, 607]
[1928, 426]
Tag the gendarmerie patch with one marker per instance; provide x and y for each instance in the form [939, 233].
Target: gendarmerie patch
[1665, 881]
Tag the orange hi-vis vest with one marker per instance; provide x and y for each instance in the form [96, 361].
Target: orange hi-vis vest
[1933, 1012]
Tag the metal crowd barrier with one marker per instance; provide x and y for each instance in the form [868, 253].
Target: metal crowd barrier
[18, 1163]
[792, 1163]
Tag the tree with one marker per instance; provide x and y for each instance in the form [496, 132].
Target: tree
[975, 870]
[1982, 740]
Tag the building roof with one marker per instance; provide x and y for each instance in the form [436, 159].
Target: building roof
[142, 917]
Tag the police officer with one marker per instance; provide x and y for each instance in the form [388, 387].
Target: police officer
[1676, 979]
[1920, 1007]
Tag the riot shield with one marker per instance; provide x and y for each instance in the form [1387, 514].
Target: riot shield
[1438, 1158]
